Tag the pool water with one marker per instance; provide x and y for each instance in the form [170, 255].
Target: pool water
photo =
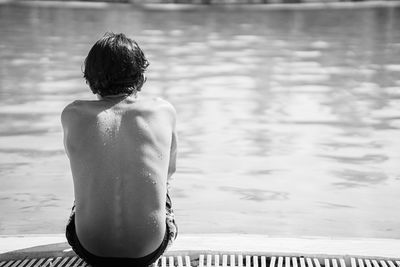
[288, 121]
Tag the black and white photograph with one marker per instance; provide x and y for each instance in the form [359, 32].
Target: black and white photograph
[200, 133]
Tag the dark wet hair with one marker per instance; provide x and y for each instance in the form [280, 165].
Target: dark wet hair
[115, 65]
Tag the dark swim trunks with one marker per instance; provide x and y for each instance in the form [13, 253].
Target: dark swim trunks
[97, 261]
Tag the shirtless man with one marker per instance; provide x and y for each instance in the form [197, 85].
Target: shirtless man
[122, 152]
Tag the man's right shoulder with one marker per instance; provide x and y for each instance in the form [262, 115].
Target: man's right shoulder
[72, 110]
[166, 105]
[167, 108]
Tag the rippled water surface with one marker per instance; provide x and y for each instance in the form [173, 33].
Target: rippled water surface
[289, 121]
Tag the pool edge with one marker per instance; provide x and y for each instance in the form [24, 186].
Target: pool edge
[234, 243]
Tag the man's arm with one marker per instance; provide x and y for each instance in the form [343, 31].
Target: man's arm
[66, 117]
[64, 122]
[172, 157]
[173, 150]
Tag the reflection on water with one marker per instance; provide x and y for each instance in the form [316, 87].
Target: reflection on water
[256, 194]
[288, 120]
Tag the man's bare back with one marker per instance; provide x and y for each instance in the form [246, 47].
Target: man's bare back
[122, 150]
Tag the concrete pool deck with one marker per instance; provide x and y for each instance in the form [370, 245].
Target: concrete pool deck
[317, 246]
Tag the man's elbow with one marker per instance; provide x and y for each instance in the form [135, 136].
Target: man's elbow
[171, 171]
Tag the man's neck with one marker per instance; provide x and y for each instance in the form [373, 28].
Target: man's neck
[117, 96]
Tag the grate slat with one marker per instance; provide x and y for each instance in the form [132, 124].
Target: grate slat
[209, 260]
[180, 261]
[232, 261]
[201, 261]
[375, 263]
[360, 263]
[342, 263]
[24, 262]
[71, 261]
[353, 262]
[326, 262]
[287, 261]
[309, 262]
[224, 260]
[368, 263]
[248, 261]
[294, 261]
[38, 262]
[187, 261]
[78, 262]
[63, 261]
[9, 264]
[255, 261]
[263, 261]
[53, 263]
[20, 263]
[240, 260]
[383, 263]
[16, 263]
[272, 263]
[302, 262]
[216, 260]
[164, 262]
[398, 263]
[171, 261]
[391, 264]
[280, 261]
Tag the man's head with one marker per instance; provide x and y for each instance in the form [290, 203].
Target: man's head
[115, 65]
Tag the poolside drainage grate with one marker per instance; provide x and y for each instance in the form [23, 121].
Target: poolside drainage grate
[220, 261]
